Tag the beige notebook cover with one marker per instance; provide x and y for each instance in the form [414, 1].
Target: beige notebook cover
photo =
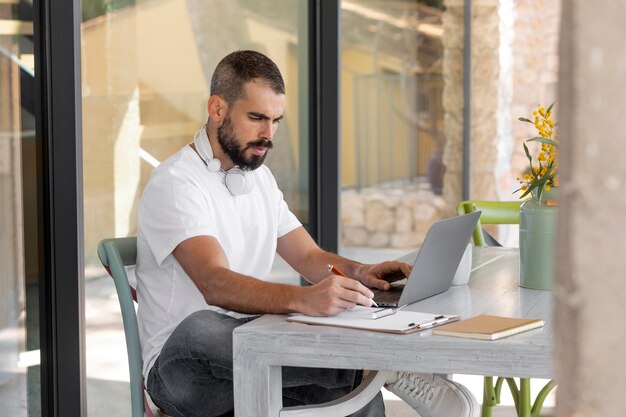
[488, 327]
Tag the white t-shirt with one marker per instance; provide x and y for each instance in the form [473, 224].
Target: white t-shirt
[184, 199]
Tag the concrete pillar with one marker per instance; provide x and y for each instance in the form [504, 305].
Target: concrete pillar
[591, 280]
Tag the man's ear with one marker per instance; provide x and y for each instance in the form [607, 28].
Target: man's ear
[217, 109]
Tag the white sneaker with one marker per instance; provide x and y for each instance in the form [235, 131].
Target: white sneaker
[433, 396]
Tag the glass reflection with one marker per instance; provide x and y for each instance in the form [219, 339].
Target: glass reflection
[146, 68]
[19, 273]
[393, 116]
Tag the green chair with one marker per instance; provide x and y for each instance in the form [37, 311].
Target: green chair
[493, 212]
[115, 254]
[502, 212]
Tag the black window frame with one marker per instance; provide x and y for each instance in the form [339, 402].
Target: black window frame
[60, 206]
[324, 150]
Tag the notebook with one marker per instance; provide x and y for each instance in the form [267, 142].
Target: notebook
[488, 327]
[435, 264]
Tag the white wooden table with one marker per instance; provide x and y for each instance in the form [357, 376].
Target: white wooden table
[262, 346]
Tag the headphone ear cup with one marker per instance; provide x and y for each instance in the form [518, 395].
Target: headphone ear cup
[239, 182]
[214, 165]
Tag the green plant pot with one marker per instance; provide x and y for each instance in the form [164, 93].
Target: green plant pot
[536, 242]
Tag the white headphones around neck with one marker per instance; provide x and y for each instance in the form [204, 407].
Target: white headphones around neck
[236, 180]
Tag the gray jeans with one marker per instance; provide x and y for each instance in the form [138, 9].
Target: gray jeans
[193, 375]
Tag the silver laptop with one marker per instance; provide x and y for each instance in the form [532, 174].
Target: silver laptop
[435, 264]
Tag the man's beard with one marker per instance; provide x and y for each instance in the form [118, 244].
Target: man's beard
[230, 145]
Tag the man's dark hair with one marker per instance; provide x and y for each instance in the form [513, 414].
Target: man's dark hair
[239, 67]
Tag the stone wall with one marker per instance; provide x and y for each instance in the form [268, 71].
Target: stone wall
[453, 37]
[490, 95]
[396, 217]
[514, 61]
[535, 74]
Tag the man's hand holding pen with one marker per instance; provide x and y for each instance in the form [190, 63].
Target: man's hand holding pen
[337, 271]
[333, 295]
[338, 292]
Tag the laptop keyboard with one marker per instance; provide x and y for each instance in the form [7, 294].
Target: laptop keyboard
[389, 297]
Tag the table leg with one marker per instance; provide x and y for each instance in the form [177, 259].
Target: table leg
[257, 387]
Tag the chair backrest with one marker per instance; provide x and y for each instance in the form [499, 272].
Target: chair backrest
[493, 212]
[115, 254]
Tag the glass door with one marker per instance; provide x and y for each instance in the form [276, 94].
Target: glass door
[146, 70]
[19, 250]
[397, 131]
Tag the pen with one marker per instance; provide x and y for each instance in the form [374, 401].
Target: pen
[384, 312]
[429, 323]
[337, 271]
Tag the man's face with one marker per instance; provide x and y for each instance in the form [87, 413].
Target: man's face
[246, 132]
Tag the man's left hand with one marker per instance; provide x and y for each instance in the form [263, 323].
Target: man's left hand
[380, 275]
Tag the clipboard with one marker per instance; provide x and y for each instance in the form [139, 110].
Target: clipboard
[399, 322]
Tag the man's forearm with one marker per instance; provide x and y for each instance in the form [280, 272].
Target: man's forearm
[315, 268]
[241, 293]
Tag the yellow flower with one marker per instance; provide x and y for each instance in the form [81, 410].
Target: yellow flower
[543, 171]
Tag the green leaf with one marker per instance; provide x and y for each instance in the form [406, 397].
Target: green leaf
[536, 183]
[530, 189]
[530, 158]
[523, 119]
[551, 105]
[525, 193]
[544, 140]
